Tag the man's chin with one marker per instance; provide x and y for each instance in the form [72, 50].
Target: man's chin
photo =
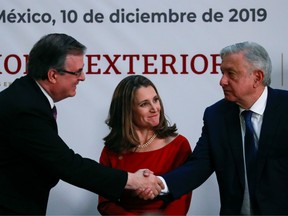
[228, 98]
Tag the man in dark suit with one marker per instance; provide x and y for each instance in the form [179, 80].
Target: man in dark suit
[246, 69]
[32, 155]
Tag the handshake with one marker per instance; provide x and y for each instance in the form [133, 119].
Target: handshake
[145, 183]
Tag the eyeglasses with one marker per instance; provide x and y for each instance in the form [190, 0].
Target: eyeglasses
[77, 74]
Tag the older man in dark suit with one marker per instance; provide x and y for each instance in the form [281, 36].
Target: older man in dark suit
[252, 182]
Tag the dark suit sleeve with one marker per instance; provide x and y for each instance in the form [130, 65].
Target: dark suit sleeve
[194, 172]
[34, 137]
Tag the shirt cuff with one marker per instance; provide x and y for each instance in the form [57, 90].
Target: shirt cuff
[164, 191]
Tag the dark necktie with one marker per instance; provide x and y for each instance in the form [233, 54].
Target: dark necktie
[54, 111]
[250, 154]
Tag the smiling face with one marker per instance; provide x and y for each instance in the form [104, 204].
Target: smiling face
[239, 80]
[146, 108]
[65, 85]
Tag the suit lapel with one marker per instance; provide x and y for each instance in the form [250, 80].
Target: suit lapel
[235, 139]
[270, 122]
[38, 95]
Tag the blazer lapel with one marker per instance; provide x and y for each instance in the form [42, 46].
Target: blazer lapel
[235, 139]
[269, 125]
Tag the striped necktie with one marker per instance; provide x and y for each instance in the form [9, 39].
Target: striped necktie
[250, 154]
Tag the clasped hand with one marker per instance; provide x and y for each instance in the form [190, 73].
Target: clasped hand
[145, 183]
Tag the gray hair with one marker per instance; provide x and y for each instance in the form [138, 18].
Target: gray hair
[255, 54]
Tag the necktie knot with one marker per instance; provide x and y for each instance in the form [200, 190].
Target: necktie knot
[247, 114]
[54, 111]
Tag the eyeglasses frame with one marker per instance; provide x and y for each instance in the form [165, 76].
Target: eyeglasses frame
[77, 73]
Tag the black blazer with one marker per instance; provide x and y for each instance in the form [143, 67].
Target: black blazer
[219, 149]
[33, 157]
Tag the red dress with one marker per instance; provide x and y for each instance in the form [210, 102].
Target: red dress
[160, 161]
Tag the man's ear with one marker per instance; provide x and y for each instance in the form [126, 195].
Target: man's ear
[52, 75]
[258, 77]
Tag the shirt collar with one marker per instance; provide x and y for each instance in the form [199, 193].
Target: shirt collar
[259, 106]
[51, 102]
